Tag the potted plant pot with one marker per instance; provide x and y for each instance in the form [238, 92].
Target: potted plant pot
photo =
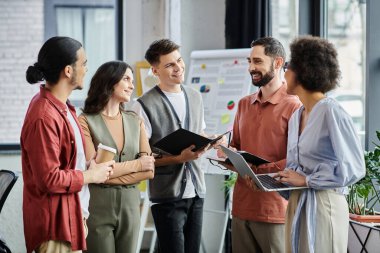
[365, 218]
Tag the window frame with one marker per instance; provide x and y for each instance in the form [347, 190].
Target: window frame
[372, 65]
[50, 21]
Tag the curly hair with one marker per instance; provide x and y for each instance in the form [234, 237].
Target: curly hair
[102, 85]
[314, 61]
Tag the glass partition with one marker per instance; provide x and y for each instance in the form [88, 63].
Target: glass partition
[285, 21]
[346, 29]
[95, 28]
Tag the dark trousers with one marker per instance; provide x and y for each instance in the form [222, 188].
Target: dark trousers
[179, 225]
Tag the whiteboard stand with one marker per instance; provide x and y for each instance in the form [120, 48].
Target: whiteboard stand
[226, 214]
[143, 224]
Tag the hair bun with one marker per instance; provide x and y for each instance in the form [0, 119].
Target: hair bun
[38, 66]
[34, 74]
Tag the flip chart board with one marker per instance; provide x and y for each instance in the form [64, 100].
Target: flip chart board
[223, 79]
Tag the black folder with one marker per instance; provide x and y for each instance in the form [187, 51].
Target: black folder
[180, 139]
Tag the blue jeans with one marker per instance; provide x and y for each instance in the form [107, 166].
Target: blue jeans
[179, 225]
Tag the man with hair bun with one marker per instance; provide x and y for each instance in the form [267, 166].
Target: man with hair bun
[54, 168]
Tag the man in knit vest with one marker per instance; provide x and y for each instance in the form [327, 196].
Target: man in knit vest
[178, 188]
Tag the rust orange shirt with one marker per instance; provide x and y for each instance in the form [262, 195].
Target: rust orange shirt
[261, 128]
[51, 206]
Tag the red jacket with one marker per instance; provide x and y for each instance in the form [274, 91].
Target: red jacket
[51, 206]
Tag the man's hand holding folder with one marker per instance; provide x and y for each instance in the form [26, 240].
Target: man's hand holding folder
[189, 154]
[181, 140]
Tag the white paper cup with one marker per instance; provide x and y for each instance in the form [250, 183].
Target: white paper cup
[104, 153]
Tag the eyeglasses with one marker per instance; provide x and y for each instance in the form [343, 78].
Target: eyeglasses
[155, 155]
[286, 66]
[214, 163]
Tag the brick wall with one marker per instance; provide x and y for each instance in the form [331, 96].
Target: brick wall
[21, 36]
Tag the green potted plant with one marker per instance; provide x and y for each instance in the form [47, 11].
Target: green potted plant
[365, 194]
[229, 182]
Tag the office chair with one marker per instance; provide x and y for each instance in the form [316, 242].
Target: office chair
[3, 247]
[7, 181]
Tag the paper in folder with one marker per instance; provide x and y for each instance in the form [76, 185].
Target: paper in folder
[180, 139]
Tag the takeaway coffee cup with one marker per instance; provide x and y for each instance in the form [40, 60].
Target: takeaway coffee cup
[104, 153]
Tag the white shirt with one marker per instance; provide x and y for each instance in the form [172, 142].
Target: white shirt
[84, 194]
[178, 102]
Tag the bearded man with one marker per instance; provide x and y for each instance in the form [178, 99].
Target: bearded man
[261, 127]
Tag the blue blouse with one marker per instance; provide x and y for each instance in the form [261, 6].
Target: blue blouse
[328, 152]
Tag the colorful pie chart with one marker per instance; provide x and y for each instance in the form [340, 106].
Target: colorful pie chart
[204, 89]
[231, 105]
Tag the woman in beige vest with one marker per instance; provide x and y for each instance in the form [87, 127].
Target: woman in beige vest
[115, 205]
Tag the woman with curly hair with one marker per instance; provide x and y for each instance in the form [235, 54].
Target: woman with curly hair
[324, 152]
[114, 219]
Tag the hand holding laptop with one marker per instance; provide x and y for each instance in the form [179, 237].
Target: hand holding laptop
[291, 177]
[222, 157]
[220, 152]
[251, 184]
[265, 182]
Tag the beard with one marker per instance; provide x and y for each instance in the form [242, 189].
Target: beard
[78, 87]
[264, 79]
[74, 81]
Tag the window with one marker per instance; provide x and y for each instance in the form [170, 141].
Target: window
[346, 30]
[94, 24]
[285, 21]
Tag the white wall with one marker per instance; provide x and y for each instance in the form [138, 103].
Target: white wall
[202, 26]
[144, 23]
[21, 36]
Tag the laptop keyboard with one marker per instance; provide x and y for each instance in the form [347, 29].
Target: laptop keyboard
[270, 183]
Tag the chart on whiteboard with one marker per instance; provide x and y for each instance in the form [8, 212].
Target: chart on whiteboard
[222, 77]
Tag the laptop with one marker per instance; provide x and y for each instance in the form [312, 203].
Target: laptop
[264, 182]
